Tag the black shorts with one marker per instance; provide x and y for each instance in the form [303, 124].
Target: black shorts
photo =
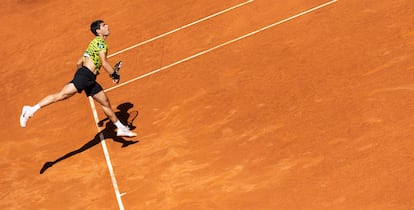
[85, 80]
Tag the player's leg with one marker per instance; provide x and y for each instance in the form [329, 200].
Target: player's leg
[103, 100]
[28, 111]
[68, 91]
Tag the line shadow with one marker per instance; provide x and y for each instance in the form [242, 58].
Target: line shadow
[108, 133]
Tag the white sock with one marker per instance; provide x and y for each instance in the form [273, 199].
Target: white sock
[35, 108]
[118, 124]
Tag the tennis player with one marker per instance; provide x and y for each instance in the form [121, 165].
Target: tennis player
[89, 66]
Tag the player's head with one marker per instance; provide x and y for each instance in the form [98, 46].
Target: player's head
[98, 27]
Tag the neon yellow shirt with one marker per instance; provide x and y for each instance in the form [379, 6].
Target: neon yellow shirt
[96, 45]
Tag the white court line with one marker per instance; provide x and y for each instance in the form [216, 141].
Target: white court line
[180, 28]
[224, 44]
[107, 157]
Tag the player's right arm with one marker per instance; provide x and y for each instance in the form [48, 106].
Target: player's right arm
[108, 68]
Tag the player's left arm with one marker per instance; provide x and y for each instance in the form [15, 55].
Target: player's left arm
[79, 63]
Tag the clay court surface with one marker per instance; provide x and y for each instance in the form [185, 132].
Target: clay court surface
[252, 105]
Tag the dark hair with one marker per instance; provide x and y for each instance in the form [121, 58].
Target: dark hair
[95, 25]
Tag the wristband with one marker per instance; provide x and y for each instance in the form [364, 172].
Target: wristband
[115, 75]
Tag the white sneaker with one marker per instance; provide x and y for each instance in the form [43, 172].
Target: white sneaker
[26, 114]
[124, 131]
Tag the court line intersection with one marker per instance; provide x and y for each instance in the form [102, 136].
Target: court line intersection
[95, 114]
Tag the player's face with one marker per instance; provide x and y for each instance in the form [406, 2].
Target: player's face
[104, 29]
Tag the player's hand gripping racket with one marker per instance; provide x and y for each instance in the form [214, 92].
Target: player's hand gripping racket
[116, 76]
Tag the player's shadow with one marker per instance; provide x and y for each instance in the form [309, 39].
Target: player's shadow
[107, 133]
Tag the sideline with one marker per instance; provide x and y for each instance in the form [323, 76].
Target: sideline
[180, 28]
[222, 45]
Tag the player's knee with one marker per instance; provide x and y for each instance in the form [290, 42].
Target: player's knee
[105, 103]
[62, 96]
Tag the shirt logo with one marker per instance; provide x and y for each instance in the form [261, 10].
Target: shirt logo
[101, 46]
